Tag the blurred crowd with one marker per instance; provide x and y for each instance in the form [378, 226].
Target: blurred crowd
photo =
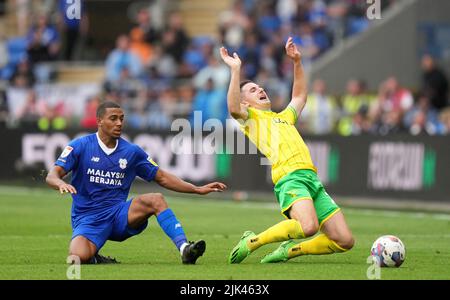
[160, 73]
[393, 109]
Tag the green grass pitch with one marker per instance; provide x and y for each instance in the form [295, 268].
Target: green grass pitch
[35, 232]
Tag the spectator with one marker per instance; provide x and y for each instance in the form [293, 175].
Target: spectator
[268, 61]
[251, 53]
[211, 102]
[53, 117]
[162, 65]
[434, 83]
[23, 76]
[233, 24]
[399, 98]
[174, 38]
[186, 95]
[388, 110]
[391, 122]
[351, 103]
[361, 122]
[30, 112]
[139, 46]
[43, 41]
[356, 20]
[320, 115]
[122, 58]
[89, 119]
[423, 118]
[286, 10]
[143, 20]
[157, 118]
[269, 22]
[215, 71]
[137, 116]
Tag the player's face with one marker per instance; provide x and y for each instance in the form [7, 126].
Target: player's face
[255, 96]
[112, 121]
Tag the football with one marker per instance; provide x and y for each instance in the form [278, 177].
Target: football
[388, 251]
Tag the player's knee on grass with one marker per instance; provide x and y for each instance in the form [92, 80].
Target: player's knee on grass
[83, 252]
[82, 256]
[346, 242]
[153, 203]
[309, 227]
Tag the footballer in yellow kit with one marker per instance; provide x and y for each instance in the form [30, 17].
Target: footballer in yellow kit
[303, 200]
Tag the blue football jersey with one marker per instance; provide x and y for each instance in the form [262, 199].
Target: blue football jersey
[103, 180]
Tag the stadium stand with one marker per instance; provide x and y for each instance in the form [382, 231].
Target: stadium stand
[160, 72]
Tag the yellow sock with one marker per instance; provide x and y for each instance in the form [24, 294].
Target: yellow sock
[285, 230]
[320, 244]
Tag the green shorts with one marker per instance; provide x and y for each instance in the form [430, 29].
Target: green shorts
[301, 185]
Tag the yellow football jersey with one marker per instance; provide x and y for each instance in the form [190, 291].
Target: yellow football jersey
[275, 136]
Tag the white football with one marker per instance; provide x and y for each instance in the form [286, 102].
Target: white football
[388, 251]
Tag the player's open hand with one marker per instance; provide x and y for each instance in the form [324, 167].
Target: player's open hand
[211, 187]
[232, 61]
[292, 51]
[67, 188]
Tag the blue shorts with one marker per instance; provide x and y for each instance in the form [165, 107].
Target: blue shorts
[109, 225]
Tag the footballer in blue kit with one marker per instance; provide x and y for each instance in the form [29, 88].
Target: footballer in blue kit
[103, 167]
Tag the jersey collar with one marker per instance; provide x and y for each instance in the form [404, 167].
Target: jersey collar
[105, 149]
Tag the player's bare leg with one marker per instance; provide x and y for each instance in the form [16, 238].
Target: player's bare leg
[86, 251]
[336, 237]
[303, 223]
[82, 248]
[337, 230]
[304, 212]
[144, 206]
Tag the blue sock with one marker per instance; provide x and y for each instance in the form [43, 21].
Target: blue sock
[172, 227]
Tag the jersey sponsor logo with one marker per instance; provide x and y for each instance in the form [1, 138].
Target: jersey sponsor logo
[108, 174]
[66, 151]
[123, 163]
[105, 177]
[95, 159]
[278, 121]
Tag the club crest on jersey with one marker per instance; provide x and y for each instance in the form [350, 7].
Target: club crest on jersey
[66, 151]
[123, 163]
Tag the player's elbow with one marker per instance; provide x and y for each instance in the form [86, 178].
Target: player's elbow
[300, 99]
[49, 178]
[237, 113]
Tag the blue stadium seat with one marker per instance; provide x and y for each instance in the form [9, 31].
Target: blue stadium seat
[17, 51]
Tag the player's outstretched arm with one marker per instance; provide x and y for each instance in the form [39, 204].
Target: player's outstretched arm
[300, 86]
[54, 180]
[172, 182]
[235, 108]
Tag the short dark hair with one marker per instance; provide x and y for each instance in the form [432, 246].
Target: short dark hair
[103, 106]
[244, 82]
